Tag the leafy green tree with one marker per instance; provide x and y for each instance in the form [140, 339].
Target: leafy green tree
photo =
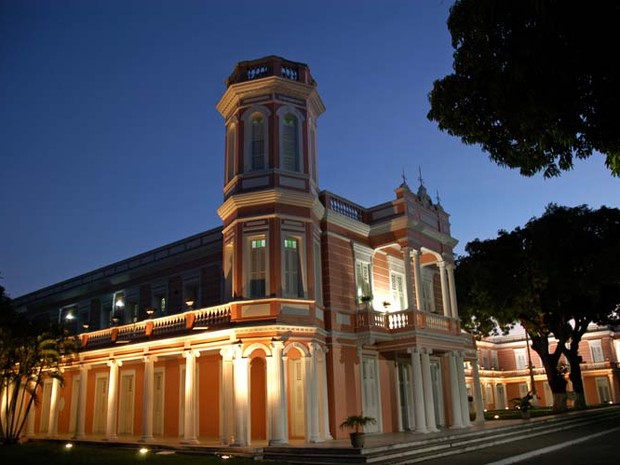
[556, 275]
[30, 352]
[531, 83]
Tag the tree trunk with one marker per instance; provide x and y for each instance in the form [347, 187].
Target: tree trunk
[556, 380]
[574, 359]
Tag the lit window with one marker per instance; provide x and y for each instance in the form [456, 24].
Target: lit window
[257, 268]
[293, 285]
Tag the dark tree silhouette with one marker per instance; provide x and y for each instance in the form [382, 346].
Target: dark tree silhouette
[531, 83]
[556, 275]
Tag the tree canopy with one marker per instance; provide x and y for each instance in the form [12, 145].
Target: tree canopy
[556, 275]
[531, 83]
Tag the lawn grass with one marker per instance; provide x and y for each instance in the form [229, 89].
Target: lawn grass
[55, 453]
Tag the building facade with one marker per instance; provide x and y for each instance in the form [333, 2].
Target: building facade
[505, 374]
[301, 309]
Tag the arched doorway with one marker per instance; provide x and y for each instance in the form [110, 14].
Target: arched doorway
[258, 396]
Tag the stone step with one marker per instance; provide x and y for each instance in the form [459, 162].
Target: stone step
[435, 444]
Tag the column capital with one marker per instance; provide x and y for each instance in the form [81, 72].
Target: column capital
[314, 348]
[149, 358]
[114, 362]
[187, 353]
[441, 264]
[227, 353]
[277, 344]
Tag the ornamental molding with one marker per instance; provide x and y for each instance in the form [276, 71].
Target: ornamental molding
[232, 98]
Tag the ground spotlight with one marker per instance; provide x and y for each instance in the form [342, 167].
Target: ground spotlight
[143, 450]
[496, 417]
[68, 446]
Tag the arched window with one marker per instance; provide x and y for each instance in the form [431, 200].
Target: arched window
[290, 143]
[257, 146]
[256, 141]
[291, 148]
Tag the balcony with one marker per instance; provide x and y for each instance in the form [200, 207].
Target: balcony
[391, 322]
[173, 325]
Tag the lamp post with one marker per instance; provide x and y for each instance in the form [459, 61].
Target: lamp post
[531, 368]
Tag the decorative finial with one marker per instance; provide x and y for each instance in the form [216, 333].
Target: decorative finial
[420, 178]
[403, 176]
[438, 199]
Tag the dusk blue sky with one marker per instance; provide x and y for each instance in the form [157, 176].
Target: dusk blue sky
[111, 144]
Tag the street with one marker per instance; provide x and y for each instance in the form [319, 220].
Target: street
[593, 444]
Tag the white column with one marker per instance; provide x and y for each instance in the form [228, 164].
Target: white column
[52, 428]
[189, 424]
[241, 401]
[31, 421]
[276, 394]
[478, 394]
[429, 401]
[612, 387]
[227, 402]
[80, 427]
[399, 405]
[445, 299]
[418, 392]
[312, 395]
[110, 427]
[417, 276]
[408, 277]
[462, 390]
[455, 393]
[147, 399]
[452, 286]
[324, 400]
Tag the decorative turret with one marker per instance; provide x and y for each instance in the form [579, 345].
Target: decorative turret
[271, 107]
[271, 231]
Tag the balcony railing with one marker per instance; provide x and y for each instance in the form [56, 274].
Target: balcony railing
[342, 206]
[405, 319]
[206, 318]
[270, 66]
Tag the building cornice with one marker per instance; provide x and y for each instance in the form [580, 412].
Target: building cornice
[276, 195]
